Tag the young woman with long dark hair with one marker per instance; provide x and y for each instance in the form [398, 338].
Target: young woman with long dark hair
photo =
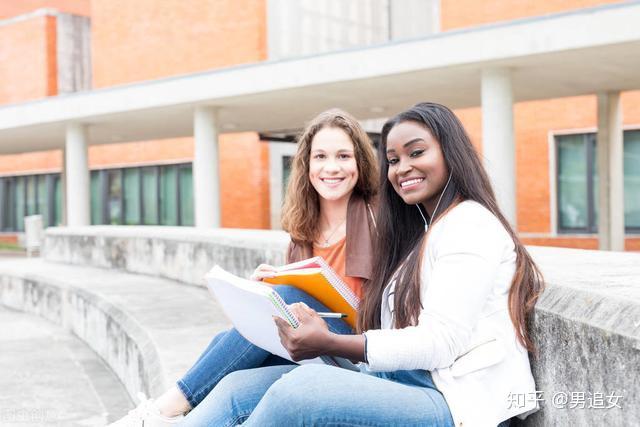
[327, 213]
[443, 326]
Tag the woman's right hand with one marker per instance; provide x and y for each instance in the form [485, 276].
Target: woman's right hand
[263, 271]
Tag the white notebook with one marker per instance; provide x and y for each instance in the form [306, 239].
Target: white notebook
[250, 306]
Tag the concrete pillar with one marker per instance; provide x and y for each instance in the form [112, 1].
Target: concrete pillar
[498, 142]
[77, 176]
[610, 172]
[206, 169]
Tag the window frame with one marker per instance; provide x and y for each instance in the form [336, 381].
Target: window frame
[590, 136]
[629, 230]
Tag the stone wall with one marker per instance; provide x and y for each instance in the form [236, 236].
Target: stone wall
[587, 330]
[586, 325]
[119, 340]
[183, 254]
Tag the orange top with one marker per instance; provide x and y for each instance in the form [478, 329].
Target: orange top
[335, 256]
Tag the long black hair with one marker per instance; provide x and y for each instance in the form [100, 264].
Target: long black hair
[401, 228]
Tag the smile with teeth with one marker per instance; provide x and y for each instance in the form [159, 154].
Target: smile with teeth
[331, 180]
[410, 182]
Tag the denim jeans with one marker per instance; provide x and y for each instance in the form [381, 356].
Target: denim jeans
[320, 395]
[229, 352]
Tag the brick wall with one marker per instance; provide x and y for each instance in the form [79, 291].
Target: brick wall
[147, 39]
[12, 8]
[468, 13]
[27, 59]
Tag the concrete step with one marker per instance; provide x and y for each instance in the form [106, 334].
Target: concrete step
[148, 330]
[50, 377]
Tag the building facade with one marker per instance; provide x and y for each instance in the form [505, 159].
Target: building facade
[52, 48]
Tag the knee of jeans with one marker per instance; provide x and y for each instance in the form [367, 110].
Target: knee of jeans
[289, 294]
[284, 396]
[298, 379]
[229, 384]
[218, 337]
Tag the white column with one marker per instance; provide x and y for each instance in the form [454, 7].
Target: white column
[610, 172]
[206, 169]
[77, 176]
[498, 142]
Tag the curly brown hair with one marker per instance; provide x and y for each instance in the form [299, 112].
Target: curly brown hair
[301, 211]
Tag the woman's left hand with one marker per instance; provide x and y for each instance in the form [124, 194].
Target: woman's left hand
[310, 339]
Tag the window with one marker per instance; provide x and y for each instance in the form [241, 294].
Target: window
[632, 180]
[577, 182]
[169, 195]
[57, 201]
[20, 204]
[114, 197]
[186, 195]
[132, 196]
[7, 210]
[29, 195]
[42, 198]
[150, 196]
[97, 208]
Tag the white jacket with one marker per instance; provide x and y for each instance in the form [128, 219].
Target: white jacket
[464, 335]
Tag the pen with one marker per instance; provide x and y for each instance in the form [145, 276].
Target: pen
[332, 315]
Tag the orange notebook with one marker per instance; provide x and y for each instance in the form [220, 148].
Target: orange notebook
[318, 279]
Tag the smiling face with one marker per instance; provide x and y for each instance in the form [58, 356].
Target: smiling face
[332, 165]
[417, 170]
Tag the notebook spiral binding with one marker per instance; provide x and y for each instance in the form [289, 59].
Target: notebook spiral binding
[339, 285]
[284, 310]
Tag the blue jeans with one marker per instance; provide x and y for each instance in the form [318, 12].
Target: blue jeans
[320, 395]
[229, 352]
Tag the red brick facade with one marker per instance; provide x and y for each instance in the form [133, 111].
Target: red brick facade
[139, 40]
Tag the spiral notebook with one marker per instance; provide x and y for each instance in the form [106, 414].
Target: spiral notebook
[318, 279]
[250, 306]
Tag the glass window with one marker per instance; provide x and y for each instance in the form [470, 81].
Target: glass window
[5, 200]
[41, 200]
[132, 196]
[114, 197]
[632, 180]
[149, 196]
[186, 195]
[573, 203]
[578, 183]
[57, 200]
[169, 195]
[20, 202]
[97, 206]
[31, 195]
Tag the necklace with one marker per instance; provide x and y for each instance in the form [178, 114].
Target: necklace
[326, 244]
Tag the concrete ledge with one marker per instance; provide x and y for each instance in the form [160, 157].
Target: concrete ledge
[184, 254]
[587, 329]
[586, 324]
[148, 330]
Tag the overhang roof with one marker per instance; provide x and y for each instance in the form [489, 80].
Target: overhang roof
[576, 53]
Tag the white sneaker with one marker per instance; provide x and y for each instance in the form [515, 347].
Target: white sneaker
[146, 414]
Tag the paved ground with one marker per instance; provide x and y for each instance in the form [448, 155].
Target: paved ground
[49, 377]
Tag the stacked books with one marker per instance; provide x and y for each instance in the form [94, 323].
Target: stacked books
[317, 278]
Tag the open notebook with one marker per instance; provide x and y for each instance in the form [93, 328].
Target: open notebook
[250, 306]
[318, 279]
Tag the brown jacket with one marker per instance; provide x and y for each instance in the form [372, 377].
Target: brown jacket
[361, 228]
